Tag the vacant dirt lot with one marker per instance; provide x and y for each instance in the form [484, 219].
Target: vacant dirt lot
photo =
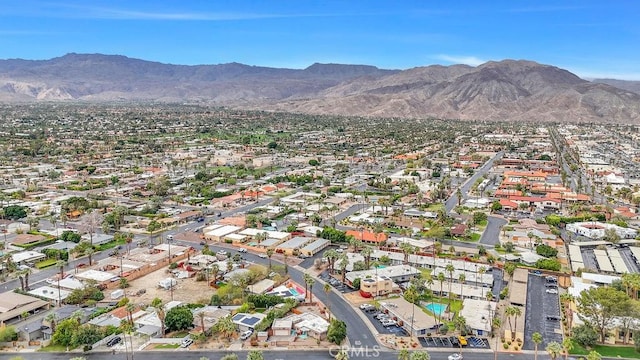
[187, 290]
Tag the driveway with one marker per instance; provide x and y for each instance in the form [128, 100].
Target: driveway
[492, 231]
[540, 305]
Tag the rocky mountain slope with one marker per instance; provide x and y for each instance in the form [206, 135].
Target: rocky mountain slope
[504, 90]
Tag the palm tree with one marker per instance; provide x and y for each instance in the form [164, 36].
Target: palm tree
[441, 279]
[342, 355]
[286, 268]
[366, 252]
[508, 312]
[429, 282]
[460, 323]
[52, 318]
[567, 345]
[554, 349]
[310, 283]
[159, 307]
[516, 312]
[481, 270]
[594, 355]
[327, 289]
[344, 262]
[331, 255]
[201, 315]
[269, 255]
[403, 354]
[225, 327]
[450, 269]
[215, 269]
[537, 340]
[90, 251]
[420, 355]
[462, 279]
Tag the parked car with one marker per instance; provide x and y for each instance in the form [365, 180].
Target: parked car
[242, 250]
[552, 291]
[553, 318]
[245, 335]
[186, 342]
[455, 357]
[365, 306]
[264, 256]
[114, 341]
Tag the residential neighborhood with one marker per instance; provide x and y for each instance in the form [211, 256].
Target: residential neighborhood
[264, 235]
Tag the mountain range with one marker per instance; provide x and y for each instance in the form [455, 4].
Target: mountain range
[504, 90]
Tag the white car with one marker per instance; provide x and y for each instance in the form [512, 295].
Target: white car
[245, 335]
[186, 342]
[264, 256]
[455, 357]
[552, 291]
[242, 250]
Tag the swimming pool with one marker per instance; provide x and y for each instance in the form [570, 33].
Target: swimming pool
[294, 292]
[437, 308]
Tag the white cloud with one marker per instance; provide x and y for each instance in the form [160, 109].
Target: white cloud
[467, 60]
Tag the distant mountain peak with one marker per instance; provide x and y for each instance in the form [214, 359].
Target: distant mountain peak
[496, 90]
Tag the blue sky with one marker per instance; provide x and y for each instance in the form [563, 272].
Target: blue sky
[593, 38]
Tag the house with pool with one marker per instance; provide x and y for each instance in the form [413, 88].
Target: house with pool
[409, 316]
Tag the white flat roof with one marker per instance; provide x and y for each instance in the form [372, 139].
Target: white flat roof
[222, 231]
[99, 276]
[50, 293]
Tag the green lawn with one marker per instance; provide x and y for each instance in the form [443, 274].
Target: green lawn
[608, 351]
[180, 334]
[167, 346]
[46, 263]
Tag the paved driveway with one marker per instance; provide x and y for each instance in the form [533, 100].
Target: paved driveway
[540, 304]
[492, 231]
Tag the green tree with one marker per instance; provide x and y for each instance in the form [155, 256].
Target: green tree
[537, 340]
[594, 355]
[420, 355]
[598, 306]
[15, 212]
[255, 355]
[8, 333]
[585, 335]
[65, 332]
[337, 331]
[229, 357]
[342, 355]
[403, 354]
[179, 318]
[554, 350]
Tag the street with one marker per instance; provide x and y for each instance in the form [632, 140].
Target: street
[492, 231]
[452, 201]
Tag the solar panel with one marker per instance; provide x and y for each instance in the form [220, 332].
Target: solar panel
[250, 321]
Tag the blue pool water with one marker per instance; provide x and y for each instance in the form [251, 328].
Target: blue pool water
[437, 308]
[294, 292]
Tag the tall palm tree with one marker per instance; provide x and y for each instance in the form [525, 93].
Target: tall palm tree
[537, 340]
[462, 279]
[52, 318]
[269, 255]
[90, 251]
[508, 312]
[344, 262]
[481, 271]
[450, 269]
[516, 312]
[215, 270]
[159, 307]
[327, 289]
[310, 283]
[429, 282]
[201, 315]
[366, 252]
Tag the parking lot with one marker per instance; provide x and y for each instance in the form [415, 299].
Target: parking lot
[394, 329]
[542, 313]
[454, 342]
[337, 284]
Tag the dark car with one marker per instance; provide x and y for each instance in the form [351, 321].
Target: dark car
[114, 341]
[553, 318]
